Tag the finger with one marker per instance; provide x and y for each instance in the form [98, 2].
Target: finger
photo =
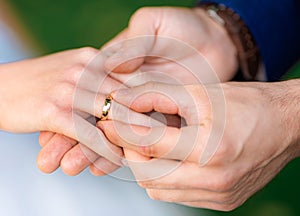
[185, 101]
[187, 182]
[77, 159]
[72, 160]
[49, 157]
[146, 169]
[186, 143]
[76, 127]
[102, 167]
[95, 79]
[185, 175]
[93, 103]
[93, 138]
[44, 137]
[140, 40]
[192, 102]
[145, 99]
[148, 73]
[131, 55]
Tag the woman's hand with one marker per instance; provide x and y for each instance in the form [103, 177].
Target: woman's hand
[59, 93]
[237, 138]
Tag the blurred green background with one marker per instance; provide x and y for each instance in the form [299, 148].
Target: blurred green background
[64, 24]
[67, 24]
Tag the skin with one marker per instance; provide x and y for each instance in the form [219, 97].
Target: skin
[190, 26]
[260, 136]
[59, 93]
[257, 123]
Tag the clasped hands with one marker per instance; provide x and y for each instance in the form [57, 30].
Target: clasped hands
[229, 144]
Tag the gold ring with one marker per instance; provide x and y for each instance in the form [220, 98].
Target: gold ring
[106, 108]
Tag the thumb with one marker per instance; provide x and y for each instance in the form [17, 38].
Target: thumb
[130, 57]
[137, 45]
[185, 101]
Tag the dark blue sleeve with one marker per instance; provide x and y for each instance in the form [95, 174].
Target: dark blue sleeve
[275, 25]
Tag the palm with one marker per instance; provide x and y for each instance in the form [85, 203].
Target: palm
[178, 42]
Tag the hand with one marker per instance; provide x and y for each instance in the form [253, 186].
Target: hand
[180, 35]
[185, 26]
[61, 151]
[59, 93]
[258, 124]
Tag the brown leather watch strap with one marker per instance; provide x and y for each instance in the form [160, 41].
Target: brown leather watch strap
[248, 53]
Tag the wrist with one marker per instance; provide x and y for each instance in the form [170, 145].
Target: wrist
[247, 50]
[286, 97]
[220, 51]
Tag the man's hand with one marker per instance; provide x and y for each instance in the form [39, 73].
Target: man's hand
[238, 137]
[60, 93]
[145, 42]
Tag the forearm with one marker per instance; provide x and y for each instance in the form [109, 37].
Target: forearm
[4, 93]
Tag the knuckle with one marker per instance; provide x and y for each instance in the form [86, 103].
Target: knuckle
[74, 72]
[86, 53]
[83, 56]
